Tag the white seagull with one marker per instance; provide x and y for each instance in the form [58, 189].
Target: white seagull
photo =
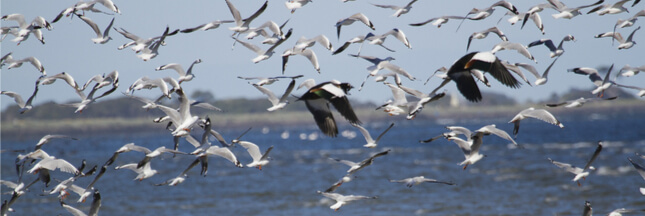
[555, 51]
[183, 75]
[277, 103]
[142, 173]
[295, 4]
[409, 182]
[580, 173]
[531, 112]
[371, 143]
[399, 10]
[399, 104]
[101, 38]
[350, 20]
[624, 43]
[343, 199]
[483, 34]
[438, 21]
[380, 64]
[307, 53]
[50, 163]
[259, 159]
[414, 109]
[578, 102]
[355, 167]
[470, 148]
[614, 8]
[641, 171]
[47, 138]
[8, 59]
[24, 105]
[242, 25]
[263, 54]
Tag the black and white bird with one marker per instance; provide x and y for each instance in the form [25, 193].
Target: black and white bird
[343, 199]
[580, 173]
[531, 112]
[409, 182]
[101, 37]
[263, 54]
[24, 105]
[184, 75]
[460, 72]
[351, 19]
[277, 103]
[399, 10]
[371, 143]
[578, 102]
[624, 43]
[317, 100]
[484, 34]
[555, 51]
[242, 25]
[13, 63]
[356, 166]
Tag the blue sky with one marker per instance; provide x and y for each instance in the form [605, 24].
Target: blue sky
[69, 48]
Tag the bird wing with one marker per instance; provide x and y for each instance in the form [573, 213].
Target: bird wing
[383, 133]
[274, 100]
[594, 156]
[253, 150]
[16, 97]
[319, 108]
[568, 167]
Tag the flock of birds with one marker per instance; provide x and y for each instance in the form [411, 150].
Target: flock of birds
[465, 72]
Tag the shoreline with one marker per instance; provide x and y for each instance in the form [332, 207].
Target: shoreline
[26, 129]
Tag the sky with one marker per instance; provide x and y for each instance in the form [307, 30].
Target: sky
[69, 48]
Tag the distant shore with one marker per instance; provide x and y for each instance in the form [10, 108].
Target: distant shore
[25, 129]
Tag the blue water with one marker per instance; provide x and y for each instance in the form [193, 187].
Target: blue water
[509, 181]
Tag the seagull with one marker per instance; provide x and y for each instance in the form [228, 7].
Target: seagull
[211, 25]
[355, 167]
[601, 84]
[242, 25]
[152, 50]
[64, 76]
[216, 151]
[139, 44]
[307, 53]
[629, 71]
[414, 109]
[399, 104]
[80, 6]
[454, 131]
[24, 28]
[380, 64]
[304, 42]
[50, 163]
[103, 80]
[371, 143]
[641, 91]
[101, 38]
[399, 10]
[438, 21]
[15, 187]
[555, 51]
[94, 208]
[88, 99]
[183, 75]
[578, 102]
[480, 14]
[418, 180]
[8, 59]
[182, 118]
[343, 199]
[147, 83]
[126, 148]
[380, 39]
[537, 20]
[345, 178]
[45, 139]
[614, 8]
[621, 211]
[155, 153]
[270, 39]
[629, 21]
[483, 34]
[581, 173]
[295, 4]
[350, 20]
[492, 129]
[358, 39]
[317, 100]
[259, 159]
[641, 172]
[520, 48]
[624, 43]
[263, 54]
[381, 78]
[470, 148]
[531, 112]
[24, 106]
[461, 71]
[587, 210]
[540, 79]
[181, 177]
[569, 13]
[277, 103]
[268, 80]
[142, 173]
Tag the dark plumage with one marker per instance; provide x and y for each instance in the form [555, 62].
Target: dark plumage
[317, 100]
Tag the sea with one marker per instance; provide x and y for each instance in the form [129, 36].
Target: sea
[508, 181]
